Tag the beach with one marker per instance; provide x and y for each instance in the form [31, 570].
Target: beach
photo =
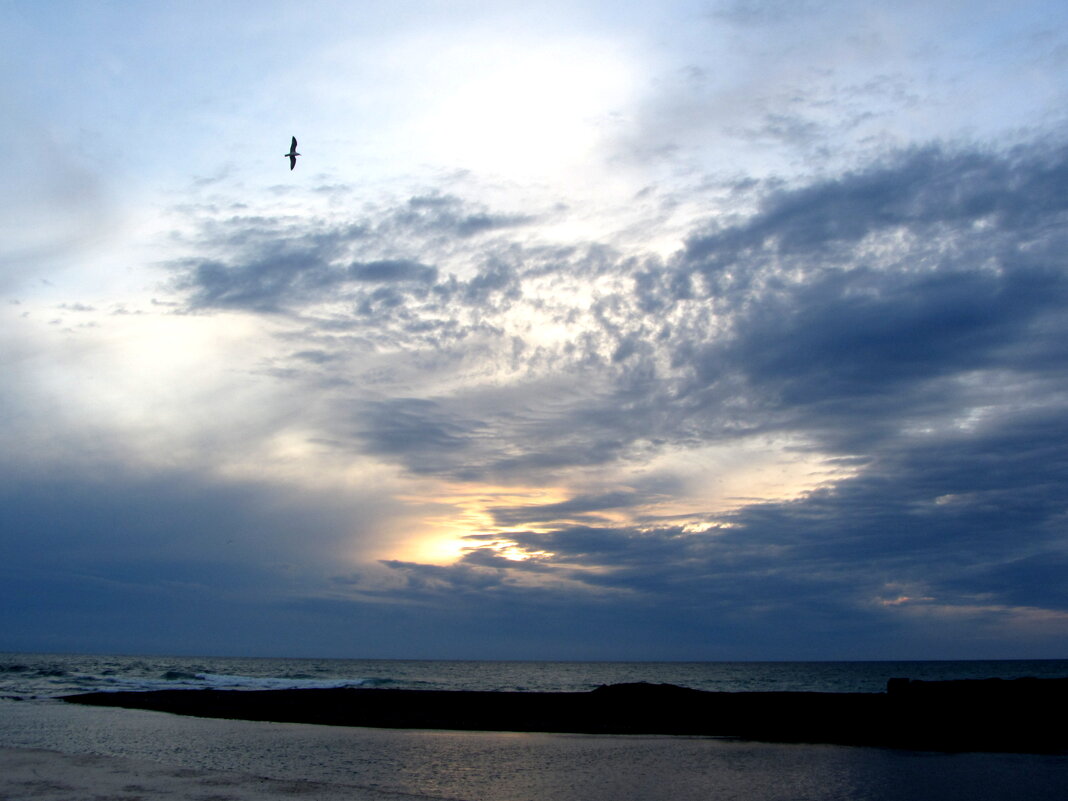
[53, 776]
[51, 749]
[194, 758]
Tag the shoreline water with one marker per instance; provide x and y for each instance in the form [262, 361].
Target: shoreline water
[480, 766]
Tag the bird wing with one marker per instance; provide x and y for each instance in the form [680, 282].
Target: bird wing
[292, 161]
[293, 146]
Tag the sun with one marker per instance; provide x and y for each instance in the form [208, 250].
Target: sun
[525, 109]
[455, 513]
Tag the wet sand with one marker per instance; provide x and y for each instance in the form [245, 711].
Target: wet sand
[135, 754]
[50, 776]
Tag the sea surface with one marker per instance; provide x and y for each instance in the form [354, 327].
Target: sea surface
[494, 766]
[29, 676]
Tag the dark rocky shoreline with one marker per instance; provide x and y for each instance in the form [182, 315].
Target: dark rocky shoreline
[1019, 715]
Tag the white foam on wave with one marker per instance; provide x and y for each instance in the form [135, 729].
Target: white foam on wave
[228, 682]
[22, 682]
[220, 681]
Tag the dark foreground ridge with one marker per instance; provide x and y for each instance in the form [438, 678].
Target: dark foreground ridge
[1020, 715]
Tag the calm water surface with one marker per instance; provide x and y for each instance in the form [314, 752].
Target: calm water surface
[480, 766]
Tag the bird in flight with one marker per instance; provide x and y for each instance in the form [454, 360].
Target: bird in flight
[292, 154]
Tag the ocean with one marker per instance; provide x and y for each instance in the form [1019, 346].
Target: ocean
[42, 676]
[485, 766]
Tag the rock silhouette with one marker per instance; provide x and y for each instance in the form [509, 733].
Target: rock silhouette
[1020, 715]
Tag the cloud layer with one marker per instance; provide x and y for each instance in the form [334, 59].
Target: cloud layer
[898, 329]
[475, 413]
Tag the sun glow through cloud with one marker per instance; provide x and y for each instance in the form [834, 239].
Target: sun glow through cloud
[523, 108]
[462, 511]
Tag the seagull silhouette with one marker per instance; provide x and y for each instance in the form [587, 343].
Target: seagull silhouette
[292, 154]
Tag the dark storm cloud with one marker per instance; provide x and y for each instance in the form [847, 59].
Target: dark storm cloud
[910, 317]
[924, 189]
[853, 355]
[904, 320]
[1037, 580]
[860, 302]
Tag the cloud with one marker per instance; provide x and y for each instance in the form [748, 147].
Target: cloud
[893, 335]
[884, 295]
[419, 431]
[449, 215]
[291, 279]
[924, 188]
[270, 265]
[579, 506]
[731, 346]
[843, 311]
[907, 316]
[394, 271]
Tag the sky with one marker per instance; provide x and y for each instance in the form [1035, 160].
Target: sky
[722, 330]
